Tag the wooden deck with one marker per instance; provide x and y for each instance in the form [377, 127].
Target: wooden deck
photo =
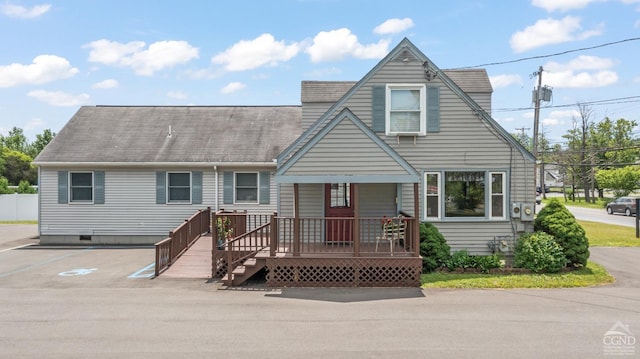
[194, 263]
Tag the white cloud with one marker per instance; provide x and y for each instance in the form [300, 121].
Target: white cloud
[550, 31]
[335, 45]
[264, 50]
[34, 124]
[158, 56]
[581, 72]
[45, 68]
[233, 87]
[59, 98]
[178, 95]
[22, 12]
[106, 84]
[505, 80]
[582, 62]
[393, 26]
[550, 122]
[561, 5]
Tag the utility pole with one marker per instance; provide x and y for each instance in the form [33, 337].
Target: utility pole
[522, 129]
[536, 120]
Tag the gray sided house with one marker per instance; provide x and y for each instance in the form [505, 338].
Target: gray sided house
[129, 175]
[408, 138]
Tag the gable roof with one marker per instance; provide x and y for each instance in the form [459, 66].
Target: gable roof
[390, 166]
[174, 135]
[407, 48]
[469, 80]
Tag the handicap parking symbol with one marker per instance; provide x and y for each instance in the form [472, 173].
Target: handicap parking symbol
[79, 271]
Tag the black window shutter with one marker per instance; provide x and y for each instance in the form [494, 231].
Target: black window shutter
[161, 187]
[227, 186]
[433, 109]
[98, 187]
[196, 187]
[265, 187]
[63, 187]
[378, 98]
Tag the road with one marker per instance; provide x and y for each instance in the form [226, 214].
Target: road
[600, 215]
[101, 302]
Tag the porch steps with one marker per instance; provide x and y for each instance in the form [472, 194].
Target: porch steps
[250, 267]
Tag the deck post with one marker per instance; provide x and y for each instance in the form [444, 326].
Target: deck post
[214, 246]
[296, 221]
[416, 221]
[356, 220]
[273, 234]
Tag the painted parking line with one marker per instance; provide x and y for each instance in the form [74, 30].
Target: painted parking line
[18, 247]
[39, 264]
[146, 272]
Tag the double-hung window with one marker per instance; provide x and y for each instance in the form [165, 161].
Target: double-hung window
[405, 109]
[179, 187]
[464, 195]
[81, 187]
[246, 187]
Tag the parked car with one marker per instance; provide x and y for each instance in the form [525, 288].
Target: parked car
[626, 205]
[538, 198]
[547, 189]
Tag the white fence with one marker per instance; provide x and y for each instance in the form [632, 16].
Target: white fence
[18, 207]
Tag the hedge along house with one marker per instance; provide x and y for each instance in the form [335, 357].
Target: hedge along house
[130, 174]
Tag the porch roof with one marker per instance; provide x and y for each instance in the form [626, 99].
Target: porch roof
[346, 150]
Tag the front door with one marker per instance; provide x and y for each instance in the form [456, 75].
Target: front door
[338, 208]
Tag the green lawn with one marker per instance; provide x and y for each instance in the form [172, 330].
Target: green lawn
[599, 235]
[18, 222]
[592, 274]
[579, 202]
[610, 235]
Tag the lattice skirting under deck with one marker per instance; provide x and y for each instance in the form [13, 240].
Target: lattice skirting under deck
[344, 272]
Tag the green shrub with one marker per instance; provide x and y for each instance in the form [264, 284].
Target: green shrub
[463, 260]
[25, 187]
[539, 252]
[485, 263]
[556, 220]
[433, 248]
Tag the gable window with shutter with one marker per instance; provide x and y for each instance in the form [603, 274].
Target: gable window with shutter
[405, 109]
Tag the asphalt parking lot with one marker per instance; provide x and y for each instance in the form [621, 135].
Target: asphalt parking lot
[101, 302]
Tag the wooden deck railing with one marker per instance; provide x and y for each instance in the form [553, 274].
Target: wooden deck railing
[301, 236]
[240, 236]
[181, 238]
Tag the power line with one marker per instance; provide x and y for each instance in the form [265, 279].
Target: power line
[551, 55]
[613, 101]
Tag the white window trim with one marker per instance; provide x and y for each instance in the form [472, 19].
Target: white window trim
[423, 111]
[488, 197]
[504, 195]
[169, 201]
[439, 195]
[70, 188]
[235, 187]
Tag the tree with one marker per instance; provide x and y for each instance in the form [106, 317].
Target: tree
[17, 167]
[524, 140]
[25, 187]
[42, 140]
[4, 186]
[15, 140]
[556, 220]
[621, 181]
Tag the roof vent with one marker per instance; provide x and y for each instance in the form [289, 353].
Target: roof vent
[170, 133]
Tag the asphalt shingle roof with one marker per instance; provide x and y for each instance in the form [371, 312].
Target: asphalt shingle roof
[140, 134]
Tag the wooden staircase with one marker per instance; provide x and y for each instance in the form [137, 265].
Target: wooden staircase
[250, 267]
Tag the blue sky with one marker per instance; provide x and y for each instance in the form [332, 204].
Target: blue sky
[58, 56]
